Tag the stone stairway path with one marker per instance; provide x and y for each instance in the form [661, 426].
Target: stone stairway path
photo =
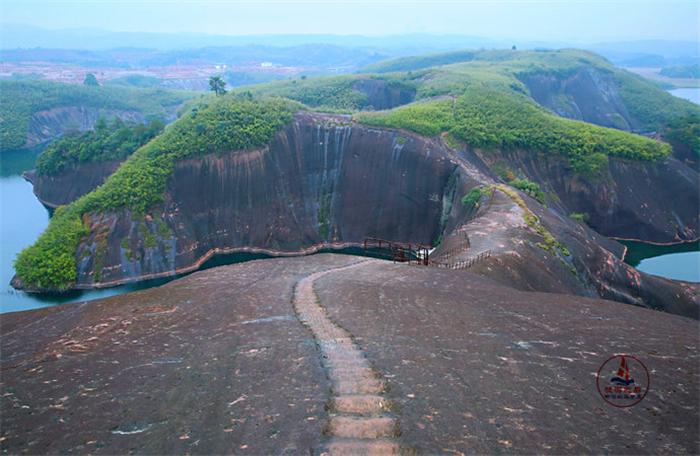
[360, 422]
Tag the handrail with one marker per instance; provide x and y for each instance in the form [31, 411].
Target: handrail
[400, 252]
[465, 264]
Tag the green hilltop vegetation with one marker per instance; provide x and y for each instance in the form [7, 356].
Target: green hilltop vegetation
[135, 80]
[685, 131]
[108, 141]
[488, 118]
[21, 99]
[482, 102]
[226, 124]
[420, 62]
[334, 93]
[437, 75]
[328, 94]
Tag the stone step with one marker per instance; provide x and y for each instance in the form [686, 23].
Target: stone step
[354, 373]
[360, 447]
[362, 385]
[361, 404]
[358, 427]
[345, 363]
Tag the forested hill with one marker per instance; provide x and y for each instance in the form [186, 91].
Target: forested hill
[33, 112]
[569, 83]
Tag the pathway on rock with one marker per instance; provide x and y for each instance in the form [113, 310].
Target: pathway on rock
[360, 420]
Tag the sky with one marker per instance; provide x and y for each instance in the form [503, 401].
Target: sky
[546, 20]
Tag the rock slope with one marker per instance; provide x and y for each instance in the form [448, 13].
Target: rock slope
[218, 362]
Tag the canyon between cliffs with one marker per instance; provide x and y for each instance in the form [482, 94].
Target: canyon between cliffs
[328, 182]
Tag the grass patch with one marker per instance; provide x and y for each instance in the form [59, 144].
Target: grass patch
[114, 141]
[531, 188]
[332, 93]
[471, 200]
[50, 261]
[581, 217]
[419, 62]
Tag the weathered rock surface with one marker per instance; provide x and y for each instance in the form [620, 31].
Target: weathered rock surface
[53, 123]
[588, 94]
[66, 186]
[479, 369]
[591, 265]
[217, 362]
[322, 181]
[652, 202]
[384, 95]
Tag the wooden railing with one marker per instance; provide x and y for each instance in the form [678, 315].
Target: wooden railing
[400, 252]
[451, 253]
[418, 253]
[464, 264]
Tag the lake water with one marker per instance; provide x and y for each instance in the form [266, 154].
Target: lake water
[23, 218]
[690, 94]
[680, 261]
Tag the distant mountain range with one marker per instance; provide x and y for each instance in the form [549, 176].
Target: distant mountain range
[14, 36]
[87, 46]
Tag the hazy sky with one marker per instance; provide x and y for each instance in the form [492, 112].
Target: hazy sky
[564, 20]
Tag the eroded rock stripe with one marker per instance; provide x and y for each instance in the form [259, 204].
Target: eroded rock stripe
[360, 421]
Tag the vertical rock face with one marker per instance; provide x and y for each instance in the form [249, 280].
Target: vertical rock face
[588, 95]
[655, 202]
[384, 95]
[68, 185]
[321, 181]
[53, 123]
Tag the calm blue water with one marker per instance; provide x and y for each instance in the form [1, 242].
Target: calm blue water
[680, 262]
[679, 266]
[690, 94]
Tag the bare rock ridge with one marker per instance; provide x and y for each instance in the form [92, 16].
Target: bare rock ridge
[360, 421]
[217, 363]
